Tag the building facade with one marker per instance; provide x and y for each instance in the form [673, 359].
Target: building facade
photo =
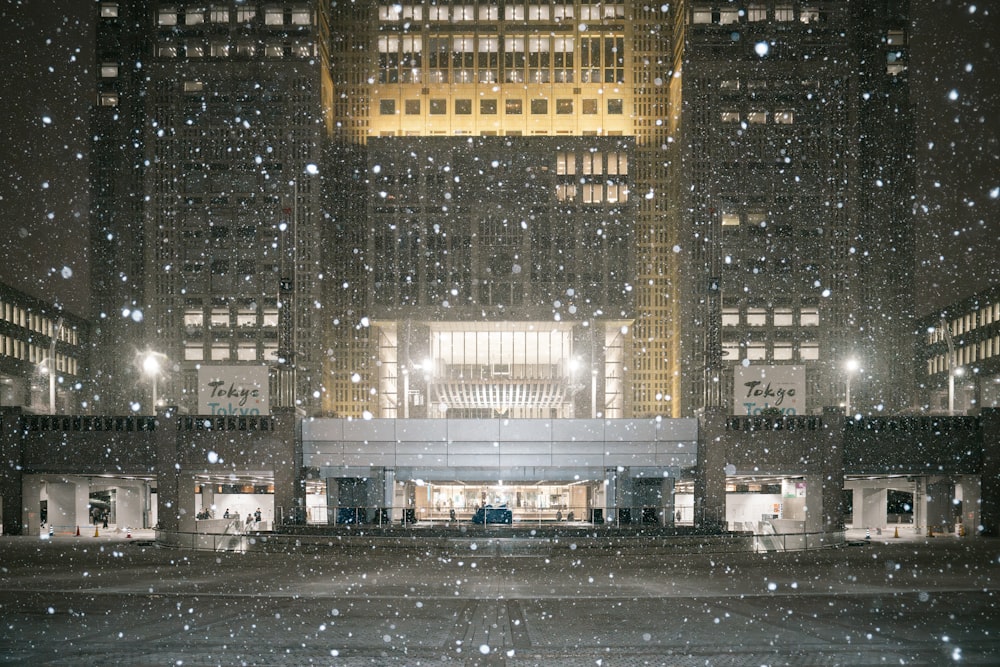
[44, 354]
[207, 238]
[959, 362]
[315, 188]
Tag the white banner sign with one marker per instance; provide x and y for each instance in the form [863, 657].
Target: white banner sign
[233, 390]
[757, 388]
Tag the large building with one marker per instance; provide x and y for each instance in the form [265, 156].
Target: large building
[208, 132]
[520, 208]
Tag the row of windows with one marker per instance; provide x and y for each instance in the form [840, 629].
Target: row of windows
[458, 13]
[488, 107]
[222, 318]
[779, 317]
[223, 49]
[26, 319]
[783, 117]
[16, 348]
[490, 58]
[753, 13]
[591, 163]
[988, 314]
[592, 193]
[273, 15]
[782, 351]
[966, 354]
[245, 351]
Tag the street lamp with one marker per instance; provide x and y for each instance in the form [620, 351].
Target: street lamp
[952, 374]
[151, 366]
[851, 366]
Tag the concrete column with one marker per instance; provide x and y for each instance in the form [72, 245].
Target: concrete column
[388, 493]
[60, 493]
[167, 472]
[920, 505]
[610, 494]
[207, 496]
[332, 499]
[31, 502]
[969, 492]
[286, 465]
[184, 508]
[832, 474]
[813, 506]
[710, 476]
[131, 504]
[989, 506]
[874, 503]
[11, 453]
[667, 516]
[940, 505]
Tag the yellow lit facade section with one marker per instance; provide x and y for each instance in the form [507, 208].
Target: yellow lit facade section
[417, 69]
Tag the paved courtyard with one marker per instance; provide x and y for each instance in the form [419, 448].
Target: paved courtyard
[109, 600]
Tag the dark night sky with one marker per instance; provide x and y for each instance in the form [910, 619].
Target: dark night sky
[46, 54]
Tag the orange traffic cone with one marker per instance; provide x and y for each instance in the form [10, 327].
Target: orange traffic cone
[896, 534]
[78, 531]
[96, 534]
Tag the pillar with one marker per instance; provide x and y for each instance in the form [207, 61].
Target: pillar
[870, 507]
[208, 497]
[969, 492]
[610, 495]
[667, 501]
[31, 503]
[710, 476]
[989, 506]
[11, 475]
[184, 508]
[332, 499]
[813, 507]
[940, 504]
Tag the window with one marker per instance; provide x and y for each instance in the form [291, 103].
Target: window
[784, 13]
[109, 70]
[301, 16]
[387, 107]
[617, 192]
[809, 351]
[195, 50]
[274, 16]
[194, 17]
[438, 107]
[219, 49]
[538, 12]
[194, 352]
[514, 107]
[412, 107]
[539, 107]
[730, 350]
[564, 106]
[245, 14]
[756, 351]
[246, 352]
[728, 16]
[809, 15]
[782, 317]
[784, 117]
[270, 319]
[730, 116]
[756, 317]
[109, 10]
[615, 107]
[757, 117]
[895, 38]
[702, 15]
[783, 352]
[463, 107]
[730, 220]
[488, 107]
[167, 16]
[756, 220]
[756, 13]
[219, 14]
[729, 84]
[194, 320]
[565, 164]
[809, 317]
[219, 318]
[593, 163]
[730, 316]
[589, 107]
[593, 193]
[220, 351]
[109, 99]
[618, 164]
[566, 192]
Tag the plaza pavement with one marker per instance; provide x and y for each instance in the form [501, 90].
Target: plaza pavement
[110, 600]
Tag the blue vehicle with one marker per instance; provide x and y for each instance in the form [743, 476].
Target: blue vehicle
[490, 514]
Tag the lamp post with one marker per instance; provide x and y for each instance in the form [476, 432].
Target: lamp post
[850, 366]
[151, 367]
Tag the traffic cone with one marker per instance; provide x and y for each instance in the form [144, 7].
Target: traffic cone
[930, 532]
[896, 534]
[51, 531]
[868, 533]
[96, 534]
[128, 533]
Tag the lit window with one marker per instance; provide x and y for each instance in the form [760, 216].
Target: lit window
[730, 316]
[757, 117]
[728, 16]
[514, 107]
[194, 352]
[274, 16]
[782, 317]
[194, 50]
[220, 351]
[514, 12]
[193, 86]
[566, 192]
[301, 16]
[809, 15]
[756, 351]
[617, 193]
[109, 99]
[784, 13]
[730, 84]
[246, 352]
[109, 10]
[730, 220]
[895, 37]
[702, 15]
[756, 13]
[245, 14]
[194, 17]
[782, 351]
[109, 70]
[270, 320]
[784, 117]
[565, 164]
[218, 14]
[167, 16]
[756, 317]
[593, 193]
[219, 318]
[193, 320]
[756, 219]
[809, 351]
[809, 317]
[219, 49]
[730, 351]
[730, 116]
